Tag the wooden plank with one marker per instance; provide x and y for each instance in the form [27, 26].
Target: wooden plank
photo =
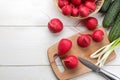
[29, 12]
[45, 73]
[28, 45]
[26, 73]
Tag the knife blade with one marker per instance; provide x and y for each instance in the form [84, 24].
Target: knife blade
[93, 67]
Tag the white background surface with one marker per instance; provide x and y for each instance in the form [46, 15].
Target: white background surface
[25, 38]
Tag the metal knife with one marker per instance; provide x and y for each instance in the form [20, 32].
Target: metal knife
[104, 73]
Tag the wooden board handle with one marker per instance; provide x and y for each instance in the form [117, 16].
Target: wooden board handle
[54, 65]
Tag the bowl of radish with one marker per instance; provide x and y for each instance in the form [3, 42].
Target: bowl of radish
[79, 8]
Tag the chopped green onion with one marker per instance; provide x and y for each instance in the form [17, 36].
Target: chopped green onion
[103, 53]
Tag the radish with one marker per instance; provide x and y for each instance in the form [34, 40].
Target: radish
[71, 61]
[84, 11]
[75, 12]
[64, 46]
[97, 35]
[91, 23]
[84, 40]
[67, 10]
[71, 5]
[90, 5]
[62, 3]
[92, 0]
[76, 2]
[55, 25]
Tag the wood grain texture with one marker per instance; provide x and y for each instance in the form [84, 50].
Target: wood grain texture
[77, 51]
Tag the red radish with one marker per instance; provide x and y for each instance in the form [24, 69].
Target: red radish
[92, 0]
[90, 5]
[62, 3]
[97, 35]
[55, 25]
[67, 10]
[75, 12]
[76, 2]
[91, 23]
[71, 61]
[71, 5]
[84, 40]
[64, 46]
[84, 11]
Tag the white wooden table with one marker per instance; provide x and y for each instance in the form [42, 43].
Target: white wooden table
[24, 39]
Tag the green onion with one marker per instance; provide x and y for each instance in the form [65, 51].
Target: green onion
[103, 53]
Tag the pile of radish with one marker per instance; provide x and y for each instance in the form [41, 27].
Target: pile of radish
[84, 40]
[55, 25]
[77, 8]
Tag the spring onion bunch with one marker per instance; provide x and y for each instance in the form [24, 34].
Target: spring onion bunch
[103, 53]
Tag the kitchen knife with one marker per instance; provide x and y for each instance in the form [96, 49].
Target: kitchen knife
[104, 73]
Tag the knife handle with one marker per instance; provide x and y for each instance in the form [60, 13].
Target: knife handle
[108, 75]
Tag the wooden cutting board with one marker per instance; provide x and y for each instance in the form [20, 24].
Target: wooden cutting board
[77, 51]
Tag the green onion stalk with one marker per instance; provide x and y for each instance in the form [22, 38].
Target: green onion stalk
[103, 53]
